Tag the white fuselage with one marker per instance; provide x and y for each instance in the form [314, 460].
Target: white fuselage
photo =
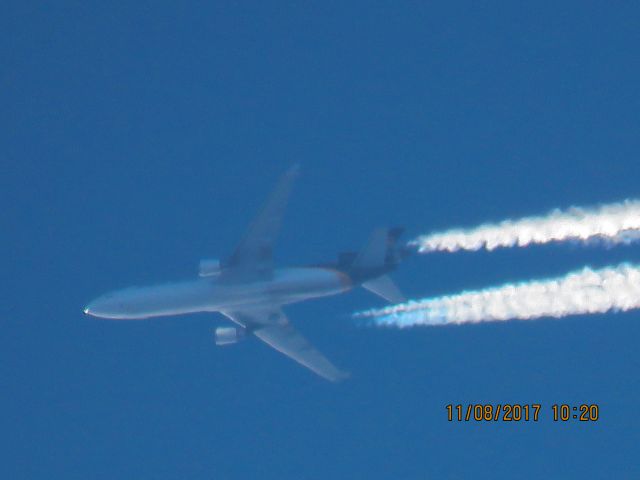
[210, 294]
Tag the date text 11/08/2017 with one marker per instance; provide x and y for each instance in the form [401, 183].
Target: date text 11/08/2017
[516, 412]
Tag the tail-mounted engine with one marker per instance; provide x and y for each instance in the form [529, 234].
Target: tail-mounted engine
[209, 267]
[229, 335]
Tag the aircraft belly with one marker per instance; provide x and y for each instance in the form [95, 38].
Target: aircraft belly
[297, 284]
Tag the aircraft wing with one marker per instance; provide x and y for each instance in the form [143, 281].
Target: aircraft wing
[252, 258]
[273, 328]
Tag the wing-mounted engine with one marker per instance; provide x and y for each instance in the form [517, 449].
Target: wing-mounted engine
[209, 267]
[229, 335]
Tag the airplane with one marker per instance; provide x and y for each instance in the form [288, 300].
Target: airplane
[248, 289]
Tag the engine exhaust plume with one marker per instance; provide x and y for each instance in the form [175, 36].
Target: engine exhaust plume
[581, 292]
[613, 224]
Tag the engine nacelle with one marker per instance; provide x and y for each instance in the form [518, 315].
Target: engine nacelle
[209, 267]
[229, 335]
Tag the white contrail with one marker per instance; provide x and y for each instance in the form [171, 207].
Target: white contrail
[584, 291]
[614, 223]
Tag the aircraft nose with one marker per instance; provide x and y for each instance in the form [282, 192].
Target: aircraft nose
[96, 308]
[107, 306]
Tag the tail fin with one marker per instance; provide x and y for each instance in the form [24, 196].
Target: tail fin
[374, 253]
[380, 250]
[380, 254]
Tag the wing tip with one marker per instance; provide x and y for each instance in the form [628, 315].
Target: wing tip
[338, 376]
[294, 170]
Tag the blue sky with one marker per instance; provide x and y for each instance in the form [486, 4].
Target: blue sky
[139, 139]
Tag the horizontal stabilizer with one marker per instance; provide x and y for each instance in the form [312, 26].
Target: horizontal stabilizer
[384, 287]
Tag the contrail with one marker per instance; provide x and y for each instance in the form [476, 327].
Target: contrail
[581, 292]
[614, 223]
